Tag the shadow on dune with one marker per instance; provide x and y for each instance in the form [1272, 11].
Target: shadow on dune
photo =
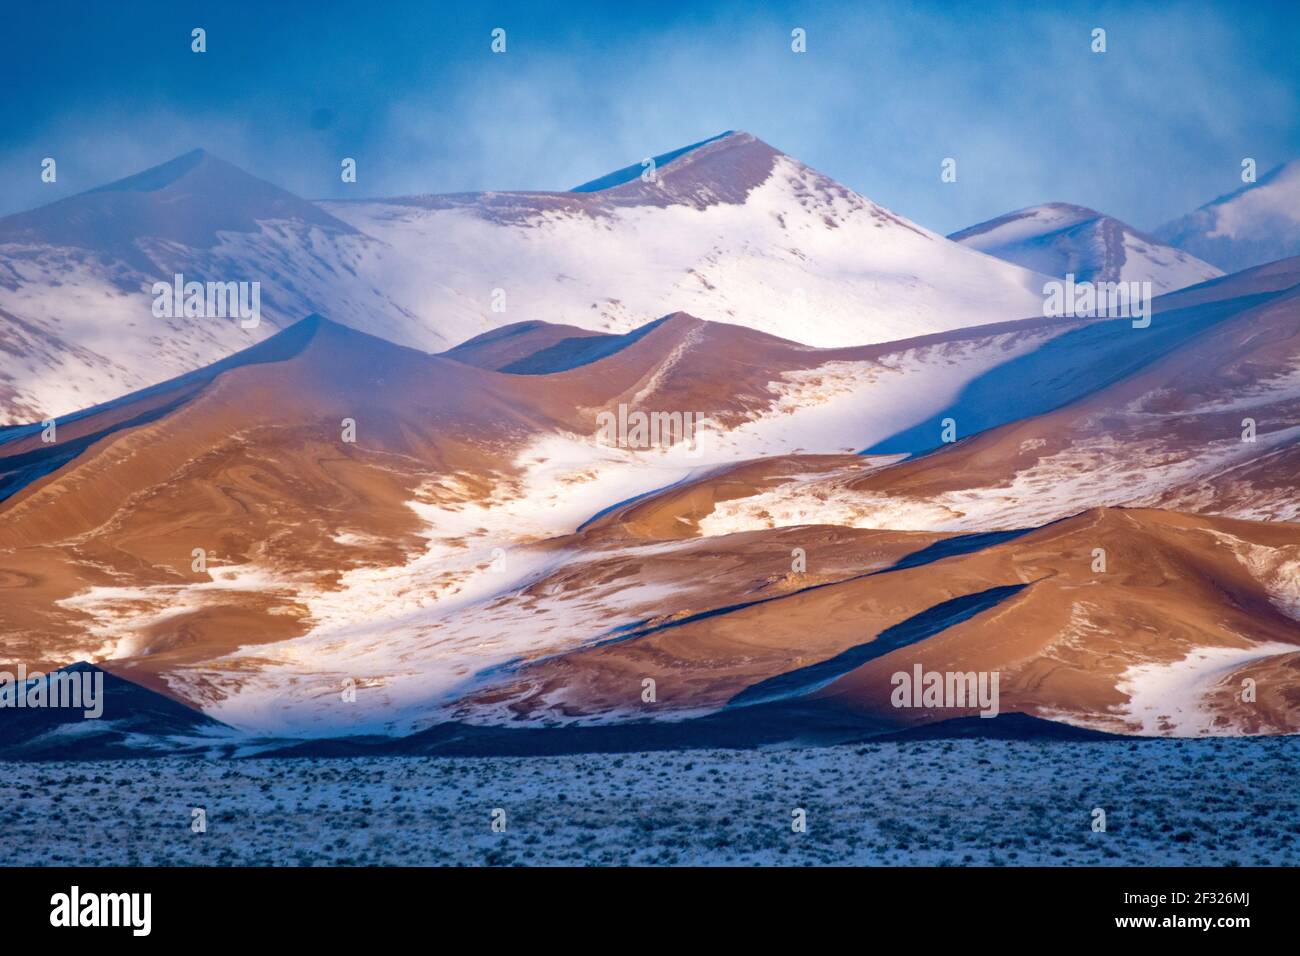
[776, 724]
[140, 723]
[17, 471]
[134, 722]
[947, 548]
[806, 680]
[1061, 371]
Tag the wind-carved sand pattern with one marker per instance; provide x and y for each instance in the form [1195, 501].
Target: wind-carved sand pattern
[120, 614]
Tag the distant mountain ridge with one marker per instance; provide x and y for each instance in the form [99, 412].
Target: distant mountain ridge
[1061, 238]
[190, 199]
[1258, 223]
[729, 229]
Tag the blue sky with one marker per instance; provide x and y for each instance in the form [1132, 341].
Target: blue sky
[1146, 131]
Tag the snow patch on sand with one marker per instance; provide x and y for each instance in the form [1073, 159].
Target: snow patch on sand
[1101, 472]
[121, 615]
[1168, 699]
[1278, 569]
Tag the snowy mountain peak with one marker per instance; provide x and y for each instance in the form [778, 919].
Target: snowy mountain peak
[1257, 223]
[187, 200]
[196, 164]
[1032, 220]
[730, 230]
[635, 170]
[1060, 238]
[722, 169]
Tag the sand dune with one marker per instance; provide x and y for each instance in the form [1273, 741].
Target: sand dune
[1069, 643]
[482, 552]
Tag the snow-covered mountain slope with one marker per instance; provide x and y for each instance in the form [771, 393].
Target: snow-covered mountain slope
[729, 229]
[1059, 238]
[77, 322]
[1256, 224]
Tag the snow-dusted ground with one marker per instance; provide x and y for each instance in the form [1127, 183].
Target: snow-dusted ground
[1208, 802]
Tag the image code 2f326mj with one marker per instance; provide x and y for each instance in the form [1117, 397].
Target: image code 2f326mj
[715, 435]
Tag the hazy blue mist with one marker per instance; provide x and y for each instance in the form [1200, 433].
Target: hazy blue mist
[1146, 131]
